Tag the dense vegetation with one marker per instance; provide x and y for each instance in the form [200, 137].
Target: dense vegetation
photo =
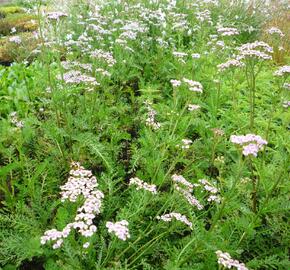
[146, 134]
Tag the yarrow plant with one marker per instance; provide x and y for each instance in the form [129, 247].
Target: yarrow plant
[251, 143]
[143, 185]
[177, 216]
[81, 182]
[226, 260]
[120, 229]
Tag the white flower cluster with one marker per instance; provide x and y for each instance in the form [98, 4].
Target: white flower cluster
[186, 188]
[104, 56]
[150, 120]
[185, 144]
[175, 83]
[257, 49]
[213, 197]
[143, 185]
[80, 182]
[226, 260]
[56, 15]
[120, 229]
[193, 85]
[75, 76]
[179, 179]
[15, 39]
[229, 64]
[177, 216]
[286, 104]
[14, 119]
[282, 71]
[204, 16]
[193, 107]
[275, 30]
[180, 56]
[251, 143]
[286, 86]
[195, 55]
[227, 31]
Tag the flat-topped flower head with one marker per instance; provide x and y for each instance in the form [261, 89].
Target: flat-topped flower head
[275, 31]
[143, 185]
[82, 183]
[250, 143]
[232, 63]
[257, 50]
[193, 85]
[120, 229]
[56, 15]
[282, 71]
[227, 31]
[177, 216]
[226, 260]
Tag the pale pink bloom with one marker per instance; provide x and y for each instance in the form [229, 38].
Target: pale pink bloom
[120, 229]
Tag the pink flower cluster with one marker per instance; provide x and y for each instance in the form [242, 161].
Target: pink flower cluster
[251, 143]
[227, 31]
[150, 120]
[226, 260]
[81, 182]
[282, 71]
[185, 188]
[213, 191]
[143, 185]
[75, 76]
[15, 120]
[275, 30]
[229, 64]
[120, 229]
[193, 107]
[177, 216]
[193, 85]
[258, 49]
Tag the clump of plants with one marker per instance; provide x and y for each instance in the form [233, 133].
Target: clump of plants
[146, 135]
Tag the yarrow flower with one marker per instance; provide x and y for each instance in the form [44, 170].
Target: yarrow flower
[195, 55]
[251, 143]
[120, 229]
[282, 71]
[177, 216]
[143, 185]
[15, 39]
[81, 182]
[227, 31]
[286, 104]
[258, 49]
[275, 30]
[75, 76]
[175, 83]
[226, 260]
[193, 85]
[150, 120]
[185, 188]
[193, 107]
[14, 119]
[185, 144]
[229, 64]
[56, 15]
[179, 179]
[180, 56]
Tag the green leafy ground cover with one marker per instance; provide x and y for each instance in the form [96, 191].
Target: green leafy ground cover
[134, 89]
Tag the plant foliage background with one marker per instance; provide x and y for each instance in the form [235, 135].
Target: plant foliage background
[108, 86]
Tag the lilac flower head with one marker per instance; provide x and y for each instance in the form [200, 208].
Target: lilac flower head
[251, 143]
[120, 229]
